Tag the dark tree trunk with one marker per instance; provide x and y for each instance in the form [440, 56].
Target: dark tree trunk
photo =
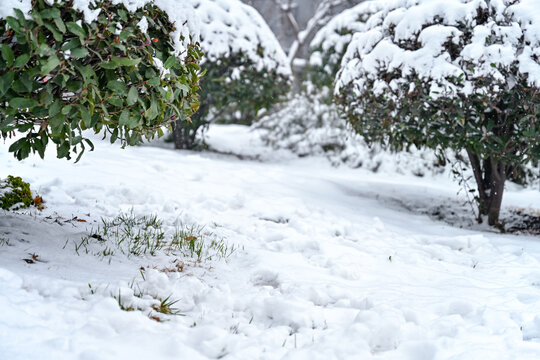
[490, 177]
[498, 172]
[483, 203]
[184, 137]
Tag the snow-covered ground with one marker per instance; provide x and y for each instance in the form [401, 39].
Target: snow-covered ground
[330, 263]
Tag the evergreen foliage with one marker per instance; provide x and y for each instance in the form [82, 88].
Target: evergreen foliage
[454, 82]
[245, 68]
[60, 76]
[14, 192]
[232, 91]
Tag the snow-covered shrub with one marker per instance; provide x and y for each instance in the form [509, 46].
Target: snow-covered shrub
[330, 42]
[457, 74]
[14, 193]
[126, 70]
[308, 125]
[246, 69]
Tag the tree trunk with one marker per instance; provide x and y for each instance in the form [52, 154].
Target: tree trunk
[490, 177]
[184, 138]
[498, 176]
[483, 188]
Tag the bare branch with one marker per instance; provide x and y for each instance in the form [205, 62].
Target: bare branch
[322, 13]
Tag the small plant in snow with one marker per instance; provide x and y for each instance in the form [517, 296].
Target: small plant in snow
[133, 235]
[16, 194]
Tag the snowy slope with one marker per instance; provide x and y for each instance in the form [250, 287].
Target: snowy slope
[331, 264]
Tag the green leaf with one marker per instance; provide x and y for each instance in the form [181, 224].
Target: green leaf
[17, 145]
[155, 81]
[44, 50]
[60, 25]
[124, 35]
[125, 61]
[22, 103]
[80, 154]
[21, 60]
[27, 81]
[133, 122]
[63, 150]
[7, 54]
[71, 44]
[40, 148]
[114, 135]
[78, 53]
[133, 95]
[37, 17]
[109, 65]
[66, 109]
[50, 13]
[124, 118]
[57, 123]
[135, 139]
[89, 144]
[57, 35]
[55, 108]
[5, 81]
[14, 24]
[76, 29]
[152, 111]
[116, 101]
[170, 62]
[184, 88]
[86, 118]
[20, 16]
[50, 65]
[86, 71]
[117, 86]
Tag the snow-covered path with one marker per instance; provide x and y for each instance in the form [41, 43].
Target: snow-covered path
[330, 266]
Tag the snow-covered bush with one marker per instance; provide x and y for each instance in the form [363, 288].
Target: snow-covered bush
[330, 42]
[458, 74]
[14, 193]
[308, 125]
[126, 70]
[246, 69]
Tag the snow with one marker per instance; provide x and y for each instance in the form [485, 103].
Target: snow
[309, 125]
[332, 262]
[333, 38]
[224, 27]
[230, 27]
[386, 43]
[179, 13]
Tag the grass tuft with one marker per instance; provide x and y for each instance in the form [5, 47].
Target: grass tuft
[133, 235]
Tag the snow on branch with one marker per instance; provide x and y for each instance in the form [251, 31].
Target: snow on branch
[321, 15]
[444, 40]
[224, 27]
